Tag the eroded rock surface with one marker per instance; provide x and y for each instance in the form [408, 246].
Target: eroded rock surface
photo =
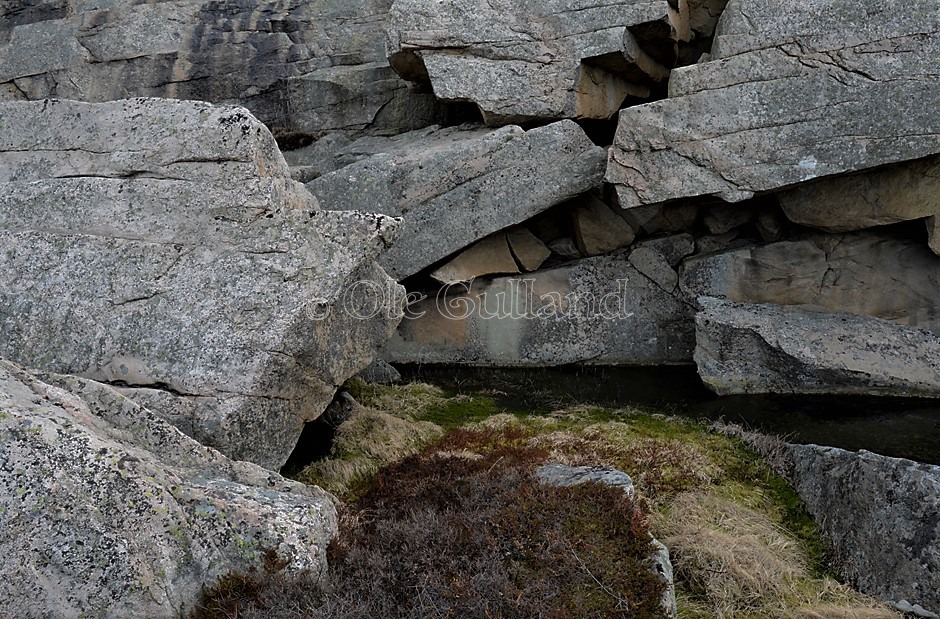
[107, 510]
[880, 516]
[456, 186]
[805, 349]
[161, 246]
[302, 68]
[521, 61]
[794, 91]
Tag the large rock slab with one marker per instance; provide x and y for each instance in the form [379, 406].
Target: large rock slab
[897, 193]
[805, 349]
[521, 61]
[795, 91]
[160, 246]
[108, 511]
[457, 185]
[303, 68]
[598, 311]
[868, 273]
[880, 517]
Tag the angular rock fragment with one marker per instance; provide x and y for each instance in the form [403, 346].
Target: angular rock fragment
[598, 310]
[160, 246]
[661, 218]
[302, 68]
[879, 515]
[107, 510]
[456, 186]
[487, 257]
[527, 249]
[723, 218]
[521, 61]
[792, 93]
[597, 229]
[872, 274]
[933, 234]
[897, 193]
[805, 349]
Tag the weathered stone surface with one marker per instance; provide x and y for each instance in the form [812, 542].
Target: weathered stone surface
[805, 349]
[301, 67]
[661, 218]
[597, 229]
[654, 265]
[380, 372]
[487, 257]
[793, 92]
[521, 61]
[897, 193]
[160, 245]
[106, 510]
[933, 234]
[723, 218]
[457, 186]
[867, 273]
[597, 311]
[528, 250]
[673, 248]
[880, 516]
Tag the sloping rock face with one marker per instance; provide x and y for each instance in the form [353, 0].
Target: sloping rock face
[161, 246]
[301, 67]
[794, 91]
[803, 349]
[521, 61]
[880, 516]
[598, 311]
[869, 273]
[106, 510]
[455, 186]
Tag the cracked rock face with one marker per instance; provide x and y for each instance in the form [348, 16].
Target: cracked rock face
[455, 186]
[301, 67]
[794, 91]
[804, 349]
[880, 516]
[107, 510]
[600, 310]
[160, 246]
[867, 273]
[522, 61]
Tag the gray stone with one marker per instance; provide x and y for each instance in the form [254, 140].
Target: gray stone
[933, 234]
[915, 610]
[528, 250]
[161, 246]
[565, 247]
[661, 218]
[673, 248]
[654, 265]
[897, 193]
[880, 517]
[487, 257]
[107, 510]
[723, 218]
[805, 349]
[303, 68]
[521, 61]
[456, 186]
[793, 92]
[771, 225]
[380, 372]
[867, 273]
[598, 311]
[597, 229]
[711, 243]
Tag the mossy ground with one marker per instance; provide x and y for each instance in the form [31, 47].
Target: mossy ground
[450, 493]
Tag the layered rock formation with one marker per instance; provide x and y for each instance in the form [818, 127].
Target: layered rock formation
[454, 187]
[303, 68]
[161, 247]
[522, 61]
[804, 349]
[880, 516]
[107, 510]
[793, 92]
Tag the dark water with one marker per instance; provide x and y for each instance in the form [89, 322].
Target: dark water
[900, 427]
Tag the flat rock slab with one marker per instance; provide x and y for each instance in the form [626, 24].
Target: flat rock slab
[456, 186]
[743, 349]
[161, 246]
[795, 91]
[869, 273]
[302, 68]
[521, 61]
[880, 517]
[107, 510]
[598, 311]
